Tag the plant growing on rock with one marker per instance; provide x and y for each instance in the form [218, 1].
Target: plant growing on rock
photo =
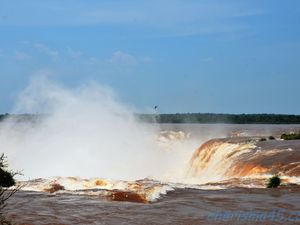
[6, 180]
[274, 182]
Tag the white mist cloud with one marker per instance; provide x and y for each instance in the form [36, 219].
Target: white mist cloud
[87, 132]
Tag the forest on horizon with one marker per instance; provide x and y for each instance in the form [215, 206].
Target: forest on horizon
[188, 118]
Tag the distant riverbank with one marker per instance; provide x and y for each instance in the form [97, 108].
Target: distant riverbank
[221, 118]
[204, 118]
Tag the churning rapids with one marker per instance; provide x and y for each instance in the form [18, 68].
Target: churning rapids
[88, 161]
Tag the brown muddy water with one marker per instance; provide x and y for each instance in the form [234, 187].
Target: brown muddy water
[182, 206]
[223, 182]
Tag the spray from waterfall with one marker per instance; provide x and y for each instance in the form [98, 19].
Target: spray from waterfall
[85, 131]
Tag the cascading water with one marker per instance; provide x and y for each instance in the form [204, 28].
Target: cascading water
[222, 159]
[212, 161]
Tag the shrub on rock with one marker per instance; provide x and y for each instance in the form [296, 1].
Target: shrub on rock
[274, 182]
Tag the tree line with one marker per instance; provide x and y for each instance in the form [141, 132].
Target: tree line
[220, 118]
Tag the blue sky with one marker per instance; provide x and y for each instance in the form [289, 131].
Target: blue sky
[183, 55]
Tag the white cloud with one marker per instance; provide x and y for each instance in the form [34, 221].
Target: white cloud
[24, 42]
[73, 54]
[46, 50]
[22, 56]
[207, 59]
[92, 61]
[122, 58]
[249, 13]
[145, 59]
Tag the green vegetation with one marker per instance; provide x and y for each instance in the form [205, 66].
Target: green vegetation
[274, 182]
[220, 118]
[290, 136]
[263, 139]
[6, 177]
[6, 180]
